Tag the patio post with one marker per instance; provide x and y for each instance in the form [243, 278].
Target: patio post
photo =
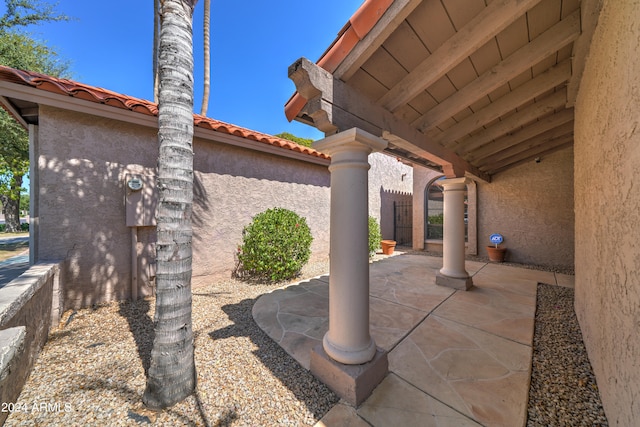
[453, 273]
[348, 340]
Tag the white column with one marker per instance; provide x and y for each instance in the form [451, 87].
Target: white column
[453, 273]
[348, 340]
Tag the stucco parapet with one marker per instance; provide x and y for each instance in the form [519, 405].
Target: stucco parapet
[16, 293]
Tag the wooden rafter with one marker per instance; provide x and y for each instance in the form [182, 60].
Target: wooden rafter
[546, 44]
[532, 146]
[512, 123]
[544, 149]
[338, 107]
[535, 87]
[392, 18]
[540, 127]
[484, 26]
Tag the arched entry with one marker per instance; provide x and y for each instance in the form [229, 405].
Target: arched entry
[434, 210]
[434, 215]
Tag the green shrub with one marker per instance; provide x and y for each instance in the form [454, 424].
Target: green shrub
[23, 226]
[275, 245]
[374, 236]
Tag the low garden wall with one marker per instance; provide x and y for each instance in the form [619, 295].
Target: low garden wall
[29, 307]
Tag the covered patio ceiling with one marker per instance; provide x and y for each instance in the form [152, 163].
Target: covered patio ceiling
[470, 87]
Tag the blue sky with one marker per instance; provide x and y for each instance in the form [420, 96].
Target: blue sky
[109, 45]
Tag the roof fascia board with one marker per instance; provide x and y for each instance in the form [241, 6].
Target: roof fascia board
[65, 102]
[43, 97]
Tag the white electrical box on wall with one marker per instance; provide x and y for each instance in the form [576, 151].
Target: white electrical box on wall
[140, 200]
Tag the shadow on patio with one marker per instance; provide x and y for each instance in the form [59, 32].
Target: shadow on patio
[460, 356]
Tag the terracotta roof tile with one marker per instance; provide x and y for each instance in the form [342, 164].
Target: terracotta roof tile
[113, 99]
[359, 25]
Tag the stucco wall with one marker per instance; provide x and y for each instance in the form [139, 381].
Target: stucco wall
[82, 162]
[233, 185]
[607, 201]
[389, 180]
[531, 205]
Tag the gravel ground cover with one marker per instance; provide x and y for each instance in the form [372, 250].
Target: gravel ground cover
[92, 370]
[563, 390]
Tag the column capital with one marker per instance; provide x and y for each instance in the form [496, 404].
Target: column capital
[455, 183]
[351, 140]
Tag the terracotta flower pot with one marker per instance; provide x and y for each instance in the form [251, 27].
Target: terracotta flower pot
[388, 246]
[496, 254]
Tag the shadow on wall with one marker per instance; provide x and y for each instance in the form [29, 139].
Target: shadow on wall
[82, 220]
[232, 185]
[396, 216]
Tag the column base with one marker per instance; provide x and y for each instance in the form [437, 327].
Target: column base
[353, 383]
[358, 357]
[460, 283]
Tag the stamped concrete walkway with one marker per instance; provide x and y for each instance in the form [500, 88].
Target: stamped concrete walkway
[456, 358]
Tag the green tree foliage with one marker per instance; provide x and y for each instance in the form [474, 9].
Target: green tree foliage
[275, 246]
[290, 137]
[21, 51]
[22, 13]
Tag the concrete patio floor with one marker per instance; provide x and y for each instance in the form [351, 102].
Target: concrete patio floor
[456, 358]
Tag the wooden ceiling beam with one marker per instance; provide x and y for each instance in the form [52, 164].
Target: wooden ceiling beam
[392, 18]
[483, 27]
[522, 146]
[550, 79]
[543, 150]
[543, 46]
[540, 127]
[336, 107]
[513, 122]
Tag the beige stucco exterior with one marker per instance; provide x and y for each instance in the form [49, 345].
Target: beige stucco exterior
[531, 205]
[607, 203]
[389, 181]
[82, 163]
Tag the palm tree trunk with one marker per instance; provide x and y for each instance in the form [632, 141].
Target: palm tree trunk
[11, 205]
[172, 368]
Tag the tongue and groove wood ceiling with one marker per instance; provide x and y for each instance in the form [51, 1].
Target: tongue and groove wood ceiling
[463, 86]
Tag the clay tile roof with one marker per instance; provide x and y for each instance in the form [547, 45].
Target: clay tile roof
[113, 99]
[359, 25]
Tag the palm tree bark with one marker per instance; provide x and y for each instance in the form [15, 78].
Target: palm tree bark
[172, 368]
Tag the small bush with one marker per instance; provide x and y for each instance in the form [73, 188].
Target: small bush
[23, 227]
[374, 236]
[275, 246]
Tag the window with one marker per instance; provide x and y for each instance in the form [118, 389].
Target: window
[434, 210]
